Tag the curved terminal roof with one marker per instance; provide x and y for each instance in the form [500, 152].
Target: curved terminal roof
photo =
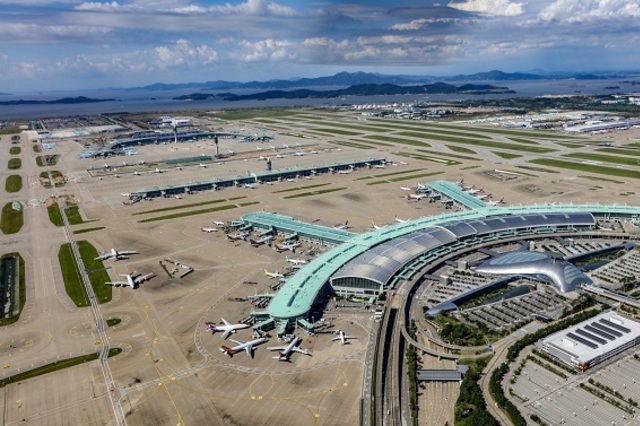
[296, 297]
[564, 274]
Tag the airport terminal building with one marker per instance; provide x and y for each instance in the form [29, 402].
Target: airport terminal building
[593, 341]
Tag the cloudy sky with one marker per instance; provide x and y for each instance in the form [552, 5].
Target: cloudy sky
[74, 44]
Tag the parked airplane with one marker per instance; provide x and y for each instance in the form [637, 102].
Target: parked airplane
[405, 188]
[267, 239]
[228, 328]
[422, 186]
[417, 197]
[218, 222]
[397, 219]
[178, 167]
[495, 203]
[286, 351]
[157, 170]
[137, 173]
[376, 227]
[204, 166]
[115, 254]
[483, 196]
[473, 191]
[209, 229]
[132, 280]
[296, 261]
[273, 274]
[284, 247]
[246, 346]
[343, 337]
[249, 186]
[345, 225]
[239, 236]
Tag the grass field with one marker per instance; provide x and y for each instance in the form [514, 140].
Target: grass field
[336, 132]
[397, 140]
[22, 291]
[247, 114]
[475, 142]
[14, 150]
[506, 155]
[13, 183]
[73, 214]
[614, 159]
[620, 151]
[604, 170]
[404, 178]
[460, 149]
[197, 212]
[72, 280]
[311, 193]
[12, 220]
[15, 163]
[300, 188]
[186, 206]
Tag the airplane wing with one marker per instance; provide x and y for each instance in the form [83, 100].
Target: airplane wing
[117, 283]
[143, 278]
[277, 348]
[103, 256]
[226, 333]
[301, 351]
[249, 350]
[239, 342]
[336, 338]
[128, 252]
[225, 321]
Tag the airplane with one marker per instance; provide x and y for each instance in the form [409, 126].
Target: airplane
[137, 173]
[115, 254]
[177, 197]
[286, 351]
[231, 152]
[397, 219]
[380, 166]
[267, 239]
[483, 196]
[273, 274]
[209, 229]
[178, 167]
[345, 225]
[132, 281]
[460, 183]
[240, 236]
[228, 328]
[125, 194]
[204, 166]
[344, 172]
[284, 247]
[218, 222]
[422, 187]
[273, 148]
[342, 336]
[296, 261]
[405, 188]
[259, 148]
[285, 146]
[473, 191]
[247, 346]
[157, 170]
[376, 227]
[417, 197]
[299, 153]
[495, 203]
[249, 186]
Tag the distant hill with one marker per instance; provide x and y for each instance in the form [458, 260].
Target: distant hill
[76, 100]
[356, 90]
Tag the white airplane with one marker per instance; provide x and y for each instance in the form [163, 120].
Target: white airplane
[267, 239]
[249, 186]
[228, 328]
[246, 346]
[397, 219]
[240, 236]
[285, 146]
[473, 191]
[417, 197]
[284, 247]
[342, 336]
[345, 225]
[421, 186]
[204, 166]
[157, 170]
[405, 188]
[231, 152]
[125, 194]
[273, 274]
[376, 227]
[483, 196]
[137, 173]
[178, 167]
[115, 254]
[495, 203]
[209, 229]
[460, 183]
[286, 351]
[344, 172]
[296, 261]
[132, 281]
[218, 222]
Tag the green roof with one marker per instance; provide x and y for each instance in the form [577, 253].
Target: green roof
[288, 224]
[454, 192]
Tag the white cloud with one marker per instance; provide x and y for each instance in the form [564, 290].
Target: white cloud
[98, 6]
[490, 7]
[590, 10]
[23, 33]
[418, 24]
[183, 53]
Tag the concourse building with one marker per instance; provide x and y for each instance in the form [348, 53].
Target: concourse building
[370, 263]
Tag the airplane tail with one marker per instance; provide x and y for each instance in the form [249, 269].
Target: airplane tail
[226, 350]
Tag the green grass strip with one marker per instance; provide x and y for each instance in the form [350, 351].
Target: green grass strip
[73, 214]
[71, 277]
[401, 141]
[601, 179]
[404, 172]
[488, 144]
[614, 159]
[196, 212]
[611, 171]
[113, 321]
[22, 290]
[336, 132]
[13, 183]
[308, 194]
[570, 145]
[443, 161]
[186, 206]
[352, 145]
[14, 150]
[250, 113]
[537, 169]
[12, 220]
[461, 157]
[300, 188]
[404, 178]
[15, 163]
[621, 151]
[55, 366]
[349, 126]
[460, 149]
[375, 144]
[506, 155]
[524, 141]
[82, 231]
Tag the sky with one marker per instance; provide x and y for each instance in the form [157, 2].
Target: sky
[74, 44]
